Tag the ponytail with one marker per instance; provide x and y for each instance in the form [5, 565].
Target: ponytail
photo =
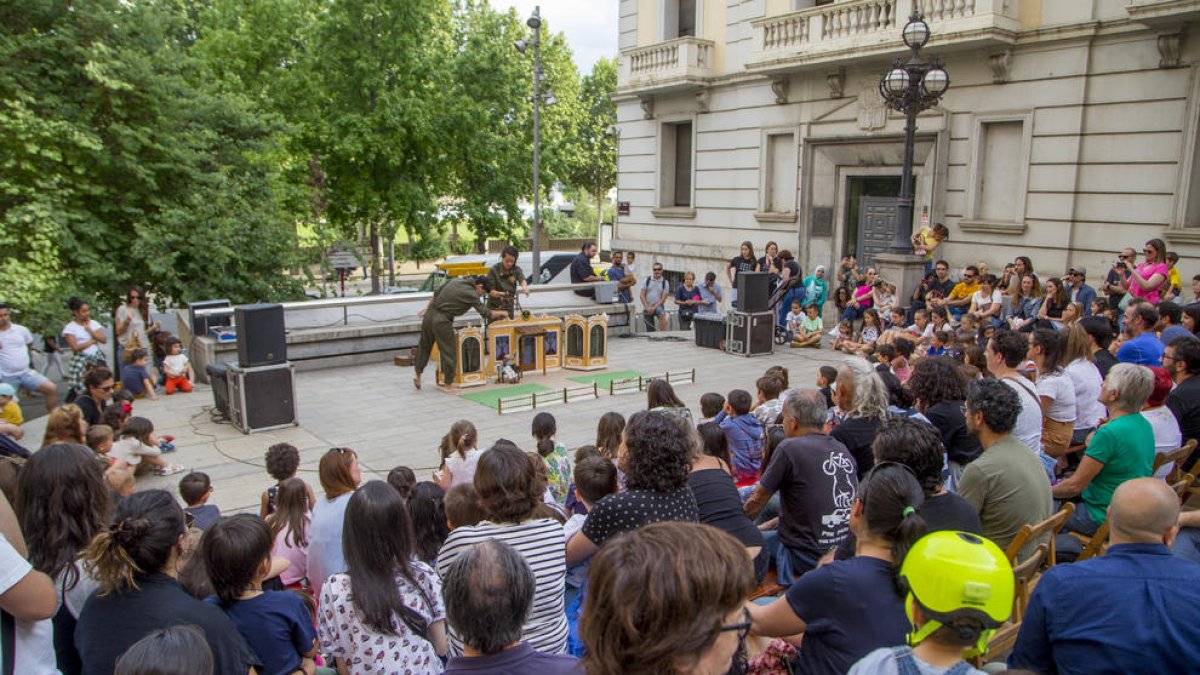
[891, 498]
[461, 437]
[545, 446]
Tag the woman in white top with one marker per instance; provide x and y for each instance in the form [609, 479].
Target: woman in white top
[1055, 389]
[1086, 379]
[986, 302]
[1167, 436]
[459, 456]
[133, 324]
[84, 336]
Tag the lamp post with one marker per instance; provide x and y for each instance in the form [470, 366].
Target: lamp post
[535, 22]
[910, 87]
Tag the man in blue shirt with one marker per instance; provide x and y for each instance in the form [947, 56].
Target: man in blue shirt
[616, 272]
[1079, 291]
[1135, 609]
[1145, 348]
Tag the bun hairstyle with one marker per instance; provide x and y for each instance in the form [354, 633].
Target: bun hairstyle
[75, 303]
[139, 542]
[544, 428]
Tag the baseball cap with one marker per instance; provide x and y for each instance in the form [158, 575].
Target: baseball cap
[1080, 269]
[7, 389]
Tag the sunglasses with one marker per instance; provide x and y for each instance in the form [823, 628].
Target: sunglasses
[657, 269]
[108, 388]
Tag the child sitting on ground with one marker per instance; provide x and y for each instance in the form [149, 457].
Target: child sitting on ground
[867, 337]
[403, 479]
[275, 624]
[745, 436]
[921, 332]
[135, 378]
[710, 406]
[195, 489]
[176, 368]
[826, 376]
[768, 406]
[558, 465]
[901, 367]
[843, 335]
[595, 479]
[283, 461]
[793, 319]
[893, 327]
[99, 438]
[462, 507]
[138, 447]
[10, 410]
[459, 455]
[289, 528]
[811, 328]
[937, 346]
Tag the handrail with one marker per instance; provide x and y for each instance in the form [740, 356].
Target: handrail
[330, 303]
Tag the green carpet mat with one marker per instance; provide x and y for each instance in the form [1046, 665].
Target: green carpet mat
[491, 396]
[603, 379]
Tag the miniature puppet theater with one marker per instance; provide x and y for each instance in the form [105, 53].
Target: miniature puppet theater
[530, 344]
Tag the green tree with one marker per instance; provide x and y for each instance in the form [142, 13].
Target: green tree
[593, 165]
[120, 163]
[380, 75]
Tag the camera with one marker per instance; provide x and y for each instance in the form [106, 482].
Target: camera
[878, 283]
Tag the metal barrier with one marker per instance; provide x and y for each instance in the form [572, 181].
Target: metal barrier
[542, 399]
[632, 385]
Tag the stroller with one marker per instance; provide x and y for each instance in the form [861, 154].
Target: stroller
[782, 335]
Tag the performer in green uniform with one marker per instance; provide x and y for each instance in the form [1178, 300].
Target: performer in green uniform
[505, 277]
[456, 298]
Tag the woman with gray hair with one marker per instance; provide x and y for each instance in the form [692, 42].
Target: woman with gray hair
[863, 396]
[1121, 449]
[488, 591]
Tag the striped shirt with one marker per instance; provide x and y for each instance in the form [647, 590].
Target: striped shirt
[541, 543]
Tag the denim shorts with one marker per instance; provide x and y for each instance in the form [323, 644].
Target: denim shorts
[29, 380]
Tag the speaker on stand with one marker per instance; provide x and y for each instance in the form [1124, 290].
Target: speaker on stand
[262, 389]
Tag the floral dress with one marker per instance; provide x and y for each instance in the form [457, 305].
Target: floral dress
[363, 650]
[558, 470]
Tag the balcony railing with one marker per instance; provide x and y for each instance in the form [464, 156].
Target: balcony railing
[867, 28]
[1164, 14]
[681, 62]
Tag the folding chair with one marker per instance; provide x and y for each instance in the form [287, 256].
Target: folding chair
[1052, 526]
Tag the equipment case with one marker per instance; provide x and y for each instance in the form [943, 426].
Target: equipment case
[710, 330]
[750, 333]
[262, 398]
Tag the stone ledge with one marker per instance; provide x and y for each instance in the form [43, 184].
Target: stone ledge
[991, 227]
[1183, 236]
[674, 212]
[775, 217]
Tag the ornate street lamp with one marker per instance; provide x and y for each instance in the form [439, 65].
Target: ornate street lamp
[910, 87]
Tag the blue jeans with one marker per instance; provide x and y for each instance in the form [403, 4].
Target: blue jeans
[853, 313]
[790, 564]
[1069, 547]
[785, 303]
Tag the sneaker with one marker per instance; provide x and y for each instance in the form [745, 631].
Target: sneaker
[170, 470]
[166, 447]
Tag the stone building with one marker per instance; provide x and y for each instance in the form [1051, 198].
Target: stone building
[1069, 129]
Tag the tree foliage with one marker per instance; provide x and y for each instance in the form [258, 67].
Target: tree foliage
[182, 144]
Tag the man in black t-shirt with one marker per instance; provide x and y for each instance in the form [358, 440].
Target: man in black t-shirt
[817, 479]
[582, 272]
[1112, 283]
[1182, 360]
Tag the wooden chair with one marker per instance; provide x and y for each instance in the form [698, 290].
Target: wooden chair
[1052, 526]
[770, 586]
[1178, 457]
[1094, 545]
[1025, 576]
[1183, 486]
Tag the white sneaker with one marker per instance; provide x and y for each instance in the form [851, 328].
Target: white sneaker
[170, 470]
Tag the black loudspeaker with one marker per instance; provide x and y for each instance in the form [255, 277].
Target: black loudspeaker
[261, 340]
[201, 324]
[753, 291]
[218, 379]
[262, 398]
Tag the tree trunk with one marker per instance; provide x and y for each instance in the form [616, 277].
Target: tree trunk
[375, 266]
[599, 219]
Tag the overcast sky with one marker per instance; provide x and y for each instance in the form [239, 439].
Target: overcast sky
[590, 25]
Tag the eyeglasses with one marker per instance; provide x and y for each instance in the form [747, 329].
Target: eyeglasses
[1148, 250]
[657, 269]
[742, 627]
[108, 388]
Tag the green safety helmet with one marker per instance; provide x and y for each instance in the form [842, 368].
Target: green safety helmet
[954, 576]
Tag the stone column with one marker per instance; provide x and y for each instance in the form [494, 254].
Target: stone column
[903, 269]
